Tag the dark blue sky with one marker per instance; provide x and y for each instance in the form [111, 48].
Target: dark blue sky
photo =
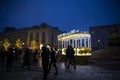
[64, 14]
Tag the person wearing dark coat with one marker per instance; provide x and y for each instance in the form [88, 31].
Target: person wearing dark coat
[2, 55]
[26, 59]
[45, 61]
[9, 59]
[53, 61]
[70, 56]
[35, 56]
[67, 55]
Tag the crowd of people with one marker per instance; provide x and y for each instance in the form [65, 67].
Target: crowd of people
[26, 56]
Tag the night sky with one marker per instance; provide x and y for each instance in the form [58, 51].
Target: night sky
[64, 14]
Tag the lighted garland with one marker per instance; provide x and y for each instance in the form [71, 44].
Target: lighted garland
[19, 44]
[33, 44]
[6, 44]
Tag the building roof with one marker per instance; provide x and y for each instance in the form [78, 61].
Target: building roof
[41, 26]
[105, 26]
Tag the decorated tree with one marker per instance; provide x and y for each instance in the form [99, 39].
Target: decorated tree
[33, 44]
[18, 44]
[6, 44]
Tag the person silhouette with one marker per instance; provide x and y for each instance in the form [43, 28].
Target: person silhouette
[9, 59]
[45, 61]
[70, 56]
[2, 56]
[53, 60]
[26, 59]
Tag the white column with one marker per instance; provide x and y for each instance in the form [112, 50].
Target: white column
[75, 43]
[72, 43]
[80, 42]
[62, 43]
[84, 42]
[68, 41]
[88, 42]
[67, 44]
[75, 46]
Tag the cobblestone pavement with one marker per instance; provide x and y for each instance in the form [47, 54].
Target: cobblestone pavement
[82, 72]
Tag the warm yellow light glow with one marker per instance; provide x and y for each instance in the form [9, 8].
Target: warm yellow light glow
[33, 44]
[80, 41]
[73, 36]
[23, 43]
[6, 44]
[82, 49]
[77, 52]
[41, 45]
[18, 44]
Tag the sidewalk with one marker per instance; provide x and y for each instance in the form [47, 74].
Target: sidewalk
[82, 72]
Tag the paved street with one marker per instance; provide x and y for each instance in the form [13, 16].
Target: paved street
[82, 72]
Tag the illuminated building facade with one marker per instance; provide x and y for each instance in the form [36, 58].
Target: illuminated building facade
[100, 35]
[78, 40]
[42, 34]
[13, 35]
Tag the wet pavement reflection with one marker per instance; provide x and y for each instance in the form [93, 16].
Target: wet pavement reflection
[82, 72]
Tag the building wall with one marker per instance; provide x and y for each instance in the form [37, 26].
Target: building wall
[100, 36]
[13, 36]
[25, 35]
[45, 35]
